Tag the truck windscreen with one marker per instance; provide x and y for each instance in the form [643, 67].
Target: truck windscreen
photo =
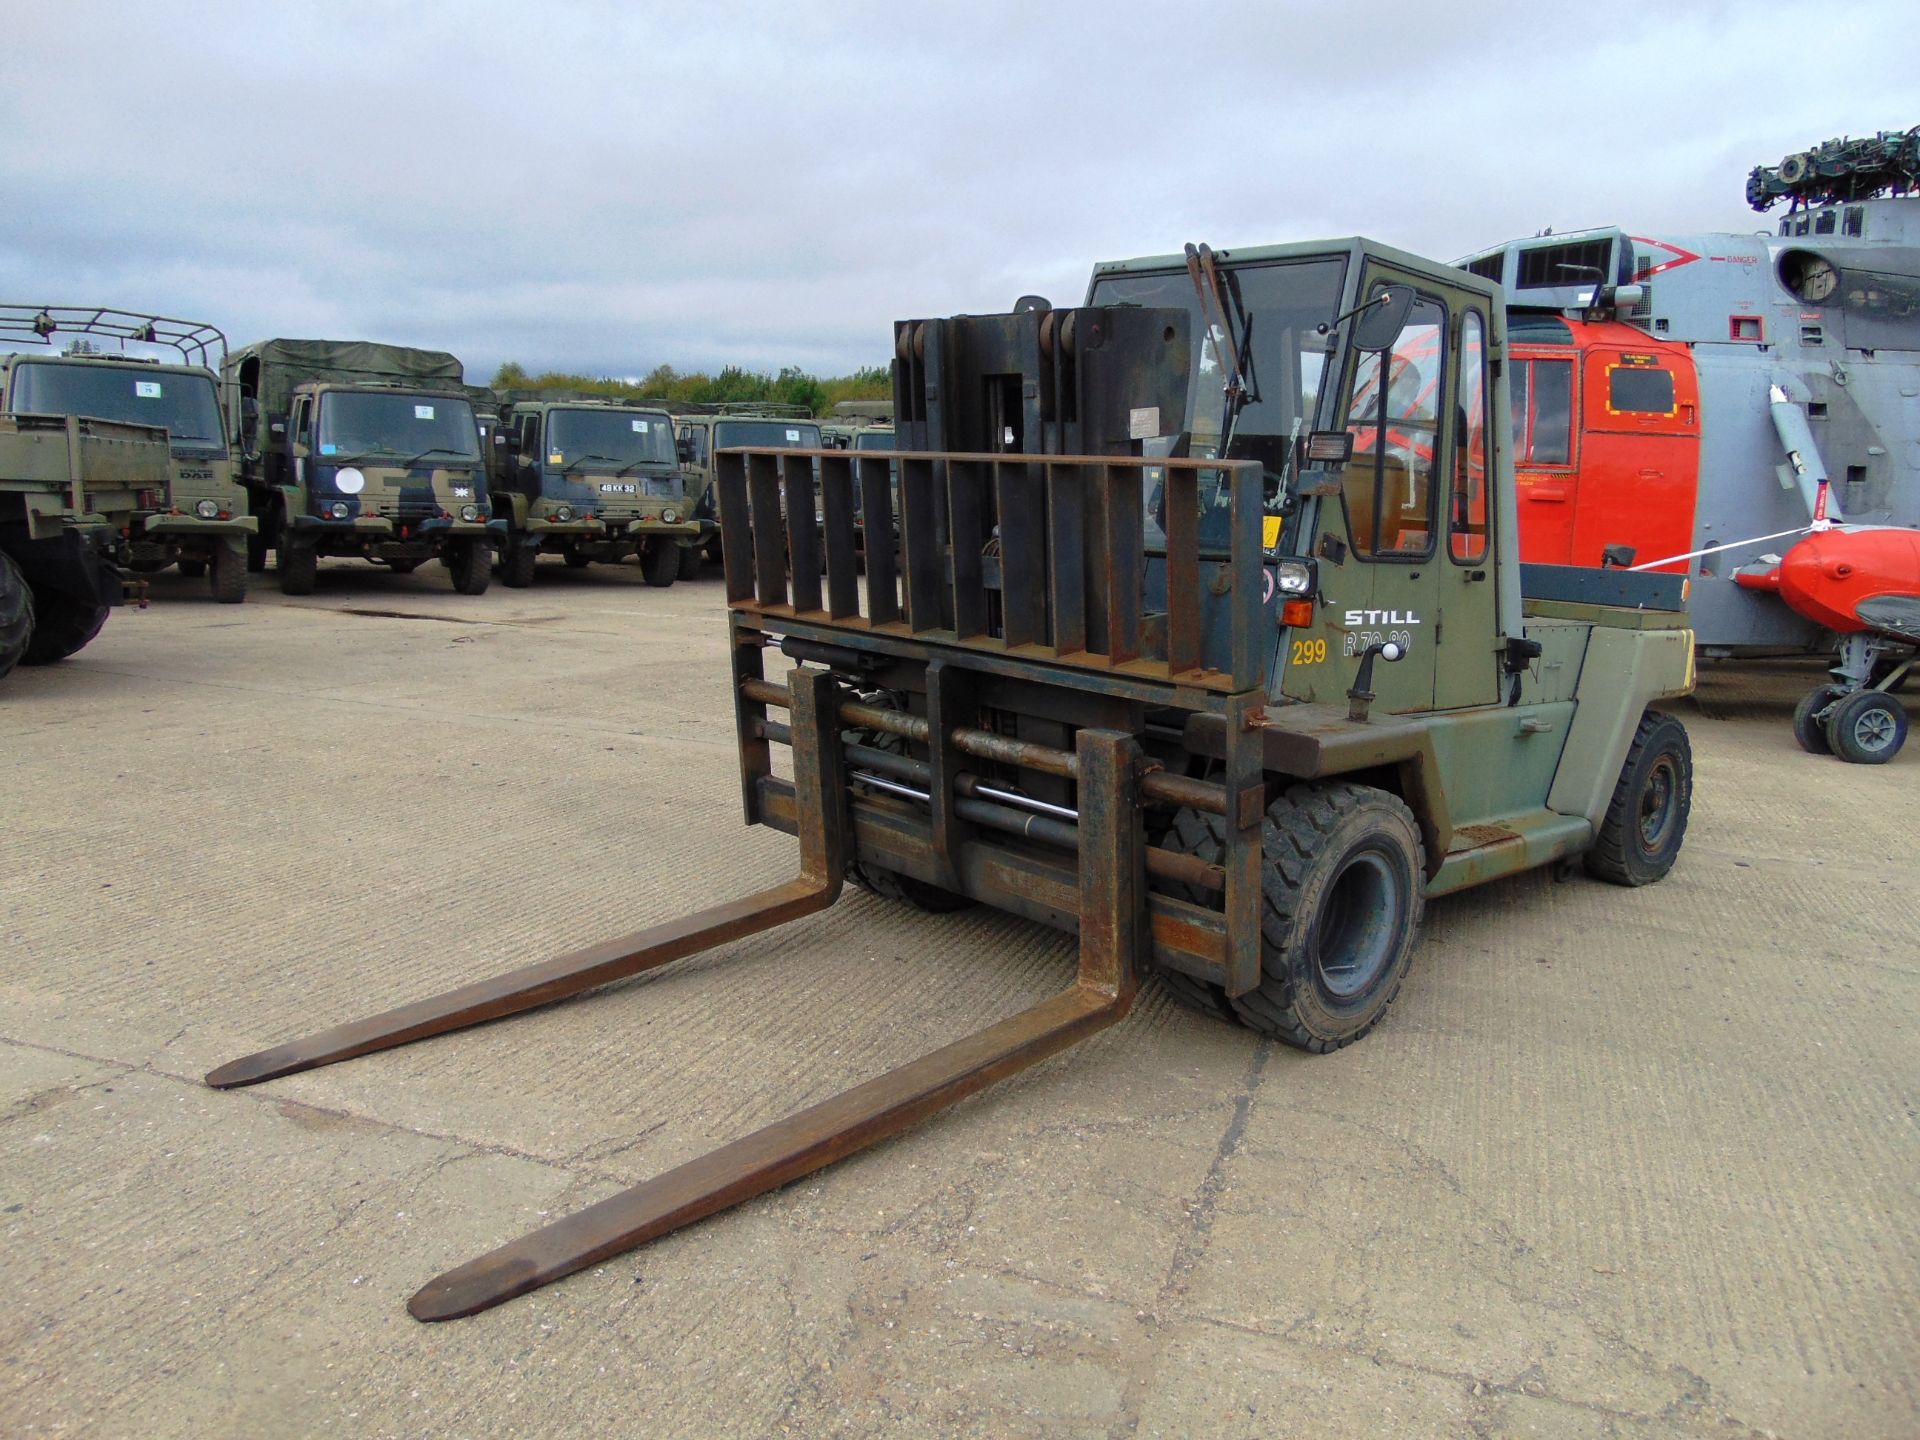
[609, 438]
[1275, 313]
[362, 423]
[771, 434]
[185, 404]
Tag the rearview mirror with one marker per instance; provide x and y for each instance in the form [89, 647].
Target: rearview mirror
[1378, 323]
[683, 447]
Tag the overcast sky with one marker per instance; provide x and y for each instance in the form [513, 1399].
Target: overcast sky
[606, 187]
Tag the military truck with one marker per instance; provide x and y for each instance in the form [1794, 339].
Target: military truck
[1197, 649]
[704, 434]
[356, 448]
[198, 519]
[70, 486]
[590, 480]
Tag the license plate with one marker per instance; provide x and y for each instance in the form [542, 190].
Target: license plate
[617, 487]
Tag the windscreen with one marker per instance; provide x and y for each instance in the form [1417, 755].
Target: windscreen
[1275, 311]
[609, 439]
[185, 404]
[767, 434]
[874, 440]
[361, 423]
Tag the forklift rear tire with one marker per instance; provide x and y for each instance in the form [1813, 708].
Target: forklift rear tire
[1344, 885]
[60, 628]
[471, 566]
[907, 889]
[16, 615]
[299, 567]
[1646, 820]
[690, 558]
[1867, 728]
[1809, 728]
[660, 563]
[192, 569]
[517, 566]
[228, 580]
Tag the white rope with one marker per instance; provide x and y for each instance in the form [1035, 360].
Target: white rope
[1716, 549]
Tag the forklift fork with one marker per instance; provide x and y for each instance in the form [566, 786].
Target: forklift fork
[1112, 927]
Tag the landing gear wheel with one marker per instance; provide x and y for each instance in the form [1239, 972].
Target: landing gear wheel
[470, 563]
[1343, 879]
[192, 569]
[660, 562]
[892, 885]
[1647, 818]
[1809, 723]
[16, 615]
[517, 565]
[60, 627]
[690, 558]
[1867, 728]
[299, 567]
[1203, 835]
[577, 561]
[228, 577]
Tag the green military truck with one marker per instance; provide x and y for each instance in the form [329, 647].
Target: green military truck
[705, 433]
[70, 486]
[354, 448]
[589, 480]
[198, 519]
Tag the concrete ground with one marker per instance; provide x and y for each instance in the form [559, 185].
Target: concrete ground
[1619, 1163]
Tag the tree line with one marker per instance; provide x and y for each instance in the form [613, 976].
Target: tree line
[792, 386]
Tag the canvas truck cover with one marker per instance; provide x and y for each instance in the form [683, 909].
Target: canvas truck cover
[271, 368]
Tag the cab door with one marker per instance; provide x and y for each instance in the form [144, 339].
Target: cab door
[1640, 466]
[1387, 527]
[1467, 668]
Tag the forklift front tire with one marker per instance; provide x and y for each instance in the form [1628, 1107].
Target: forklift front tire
[1646, 820]
[907, 889]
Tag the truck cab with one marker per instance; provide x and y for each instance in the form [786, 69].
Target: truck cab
[199, 518]
[348, 456]
[703, 436]
[590, 480]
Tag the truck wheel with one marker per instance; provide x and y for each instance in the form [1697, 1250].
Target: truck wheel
[228, 574]
[16, 615]
[517, 565]
[1647, 818]
[1343, 874]
[907, 889]
[660, 563]
[299, 567]
[690, 558]
[1809, 726]
[471, 565]
[60, 628]
[192, 569]
[1867, 728]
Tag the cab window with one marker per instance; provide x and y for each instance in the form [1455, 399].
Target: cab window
[1394, 414]
[696, 438]
[1467, 501]
[302, 412]
[1542, 412]
[1639, 390]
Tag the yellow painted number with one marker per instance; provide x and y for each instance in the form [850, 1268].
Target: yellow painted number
[1309, 652]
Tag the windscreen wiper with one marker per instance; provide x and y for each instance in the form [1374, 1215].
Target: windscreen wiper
[434, 450]
[582, 459]
[1215, 299]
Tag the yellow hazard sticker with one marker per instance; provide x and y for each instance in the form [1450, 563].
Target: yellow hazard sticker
[1270, 531]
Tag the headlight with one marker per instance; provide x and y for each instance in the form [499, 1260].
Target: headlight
[563, 514]
[1295, 577]
[339, 510]
[670, 516]
[469, 513]
[206, 509]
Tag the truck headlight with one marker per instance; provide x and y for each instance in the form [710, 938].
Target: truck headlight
[670, 516]
[563, 513]
[206, 509]
[469, 513]
[339, 510]
[1295, 577]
